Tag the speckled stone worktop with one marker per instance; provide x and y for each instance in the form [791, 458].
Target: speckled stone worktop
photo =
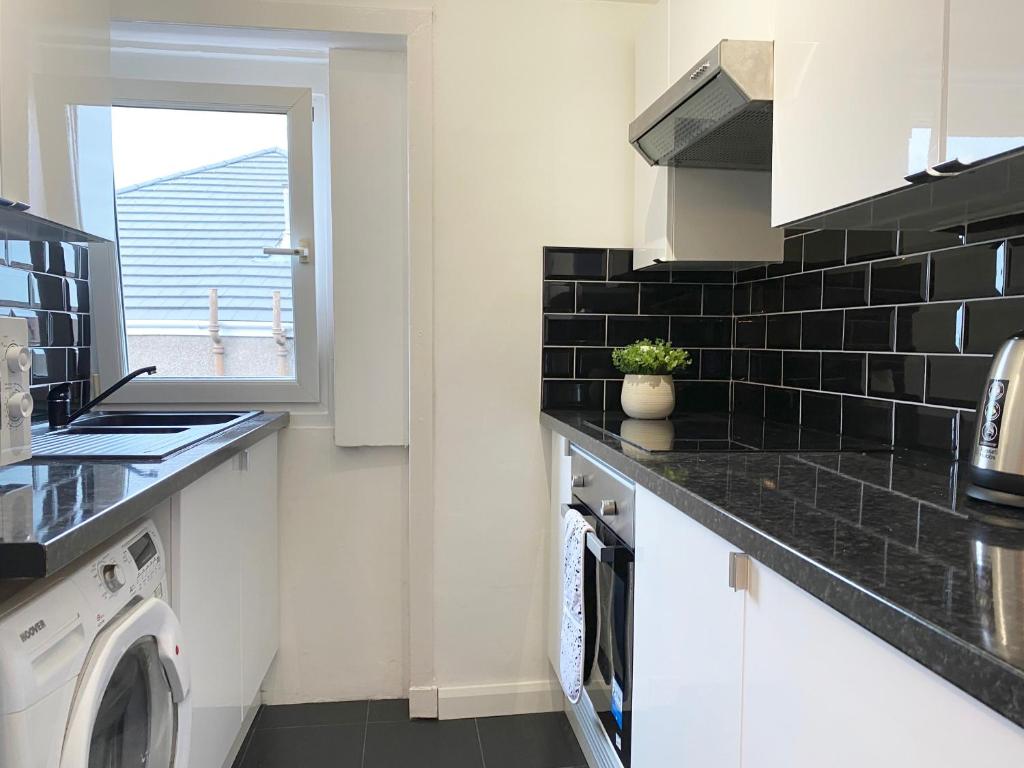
[887, 539]
[53, 511]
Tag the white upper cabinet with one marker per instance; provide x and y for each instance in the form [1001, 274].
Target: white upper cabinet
[696, 28]
[55, 148]
[858, 100]
[985, 114]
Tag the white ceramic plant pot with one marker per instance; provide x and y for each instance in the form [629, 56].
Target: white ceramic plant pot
[648, 397]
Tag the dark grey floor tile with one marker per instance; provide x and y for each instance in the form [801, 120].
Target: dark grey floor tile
[388, 710]
[327, 713]
[542, 740]
[422, 744]
[316, 746]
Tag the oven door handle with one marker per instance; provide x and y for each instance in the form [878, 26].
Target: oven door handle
[603, 552]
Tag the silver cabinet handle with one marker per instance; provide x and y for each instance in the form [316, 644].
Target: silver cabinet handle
[739, 571]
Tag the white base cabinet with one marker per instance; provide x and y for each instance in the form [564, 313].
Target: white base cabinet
[225, 593]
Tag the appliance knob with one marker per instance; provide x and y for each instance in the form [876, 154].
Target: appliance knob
[19, 358]
[19, 406]
[577, 481]
[608, 507]
[113, 576]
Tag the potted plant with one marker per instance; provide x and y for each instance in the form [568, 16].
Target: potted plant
[647, 391]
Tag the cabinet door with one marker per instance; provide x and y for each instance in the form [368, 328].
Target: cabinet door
[820, 690]
[206, 551]
[257, 500]
[687, 647]
[55, 92]
[858, 96]
[986, 79]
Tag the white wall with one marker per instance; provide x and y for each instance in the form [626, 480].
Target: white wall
[532, 99]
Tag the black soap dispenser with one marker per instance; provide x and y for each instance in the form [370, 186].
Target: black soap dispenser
[58, 406]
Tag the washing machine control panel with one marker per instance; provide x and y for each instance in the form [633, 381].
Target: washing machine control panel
[134, 567]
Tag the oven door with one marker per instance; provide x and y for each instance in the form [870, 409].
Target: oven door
[608, 602]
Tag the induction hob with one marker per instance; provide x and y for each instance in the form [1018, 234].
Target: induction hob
[725, 433]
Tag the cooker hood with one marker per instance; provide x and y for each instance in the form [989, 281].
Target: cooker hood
[719, 114]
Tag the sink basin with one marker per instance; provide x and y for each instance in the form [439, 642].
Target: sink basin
[134, 435]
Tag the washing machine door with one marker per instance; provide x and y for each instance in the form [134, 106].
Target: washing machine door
[132, 706]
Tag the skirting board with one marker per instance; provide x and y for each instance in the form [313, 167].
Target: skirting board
[423, 702]
[454, 702]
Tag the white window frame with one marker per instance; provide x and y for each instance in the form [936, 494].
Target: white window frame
[297, 104]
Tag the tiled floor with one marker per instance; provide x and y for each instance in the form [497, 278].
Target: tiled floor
[379, 734]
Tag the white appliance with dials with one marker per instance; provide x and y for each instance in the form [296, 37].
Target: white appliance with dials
[15, 380]
[92, 668]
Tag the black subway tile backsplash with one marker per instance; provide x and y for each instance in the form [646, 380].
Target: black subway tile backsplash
[14, 288]
[873, 334]
[48, 292]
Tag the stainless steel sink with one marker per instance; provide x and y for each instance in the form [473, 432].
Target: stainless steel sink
[133, 436]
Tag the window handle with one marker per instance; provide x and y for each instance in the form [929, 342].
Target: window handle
[302, 253]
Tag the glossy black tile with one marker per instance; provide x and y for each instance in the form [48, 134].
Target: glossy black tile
[559, 297]
[913, 241]
[766, 367]
[869, 329]
[782, 405]
[784, 331]
[801, 369]
[715, 364]
[865, 245]
[14, 287]
[49, 366]
[802, 291]
[318, 746]
[843, 372]
[606, 298]
[61, 259]
[824, 248]
[971, 272]
[670, 299]
[717, 300]
[613, 395]
[544, 740]
[701, 331]
[79, 363]
[620, 267]
[766, 296]
[929, 328]
[956, 381]
[574, 330]
[921, 428]
[47, 292]
[423, 743]
[575, 263]
[1015, 267]
[792, 258]
[753, 273]
[845, 287]
[750, 331]
[557, 363]
[740, 365]
[899, 281]
[822, 330]
[26, 254]
[702, 396]
[991, 229]
[867, 419]
[748, 399]
[78, 295]
[741, 297]
[595, 363]
[989, 323]
[965, 430]
[821, 411]
[899, 377]
[63, 330]
[624, 330]
[682, 274]
[560, 393]
[83, 324]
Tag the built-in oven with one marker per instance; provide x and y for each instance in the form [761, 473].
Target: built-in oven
[606, 499]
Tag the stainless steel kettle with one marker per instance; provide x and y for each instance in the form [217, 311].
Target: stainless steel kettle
[997, 465]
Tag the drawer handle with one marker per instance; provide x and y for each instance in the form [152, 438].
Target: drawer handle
[739, 571]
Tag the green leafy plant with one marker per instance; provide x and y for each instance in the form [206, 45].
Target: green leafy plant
[650, 358]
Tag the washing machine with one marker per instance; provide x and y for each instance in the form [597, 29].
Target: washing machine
[93, 668]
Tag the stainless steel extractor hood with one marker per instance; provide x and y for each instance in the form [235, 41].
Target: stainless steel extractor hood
[719, 114]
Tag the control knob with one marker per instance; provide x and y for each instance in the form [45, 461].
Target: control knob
[113, 576]
[19, 358]
[19, 406]
[608, 508]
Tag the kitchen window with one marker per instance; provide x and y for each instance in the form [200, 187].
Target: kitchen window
[214, 275]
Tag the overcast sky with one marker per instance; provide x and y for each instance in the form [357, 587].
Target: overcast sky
[150, 143]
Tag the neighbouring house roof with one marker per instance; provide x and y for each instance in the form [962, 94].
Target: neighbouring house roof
[180, 235]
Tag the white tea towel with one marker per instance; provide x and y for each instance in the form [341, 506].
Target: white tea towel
[573, 632]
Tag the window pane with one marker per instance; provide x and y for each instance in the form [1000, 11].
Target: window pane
[200, 194]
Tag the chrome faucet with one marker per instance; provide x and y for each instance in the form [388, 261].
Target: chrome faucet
[59, 404]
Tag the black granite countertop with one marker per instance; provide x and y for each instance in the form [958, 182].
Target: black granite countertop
[886, 538]
[53, 511]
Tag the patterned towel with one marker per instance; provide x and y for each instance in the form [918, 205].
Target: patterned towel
[574, 540]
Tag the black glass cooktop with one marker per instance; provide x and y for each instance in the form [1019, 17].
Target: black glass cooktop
[724, 433]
